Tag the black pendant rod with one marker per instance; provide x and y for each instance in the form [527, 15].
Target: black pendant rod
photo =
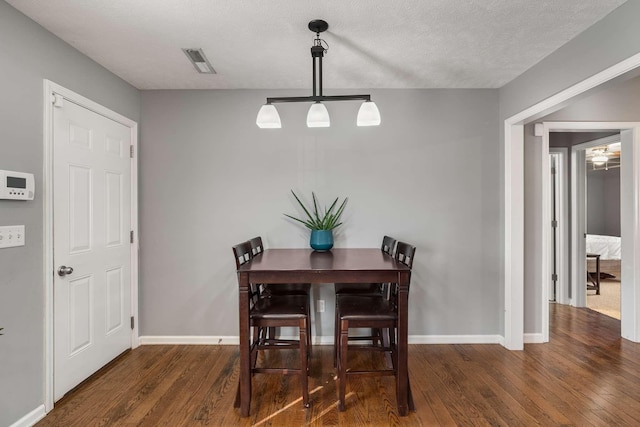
[319, 98]
[317, 53]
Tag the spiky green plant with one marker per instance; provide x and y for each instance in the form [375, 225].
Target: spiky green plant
[317, 220]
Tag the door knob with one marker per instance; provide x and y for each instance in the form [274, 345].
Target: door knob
[63, 270]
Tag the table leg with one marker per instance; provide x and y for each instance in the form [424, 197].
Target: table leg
[402, 384]
[245, 356]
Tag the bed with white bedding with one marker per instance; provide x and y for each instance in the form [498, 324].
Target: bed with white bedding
[608, 247]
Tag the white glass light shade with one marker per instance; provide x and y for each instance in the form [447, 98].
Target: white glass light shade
[268, 117]
[318, 116]
[368, 115]
[599, 160]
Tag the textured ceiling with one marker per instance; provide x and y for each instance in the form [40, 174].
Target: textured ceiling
[265, 44]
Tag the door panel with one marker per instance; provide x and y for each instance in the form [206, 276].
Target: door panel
[92, 219]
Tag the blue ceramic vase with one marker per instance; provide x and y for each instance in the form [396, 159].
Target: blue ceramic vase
[321, 240]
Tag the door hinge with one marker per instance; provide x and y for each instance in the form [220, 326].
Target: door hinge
[131, 151]
[131, 237]
[554, 224]
[133, 323]
[553, 170]
[554, 277]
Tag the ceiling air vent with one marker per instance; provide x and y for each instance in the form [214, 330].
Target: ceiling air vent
[197, 58]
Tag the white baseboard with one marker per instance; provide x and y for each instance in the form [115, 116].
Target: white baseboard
[31, 418]
[318, 340]
[454, 339]
[188, 340]
[536, 338]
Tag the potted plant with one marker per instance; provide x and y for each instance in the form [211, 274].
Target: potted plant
[321, 224]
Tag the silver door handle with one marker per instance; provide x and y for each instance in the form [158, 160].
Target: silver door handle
[63, 270]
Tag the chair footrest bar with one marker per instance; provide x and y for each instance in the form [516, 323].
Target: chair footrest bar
[380, 373]
[279, 371]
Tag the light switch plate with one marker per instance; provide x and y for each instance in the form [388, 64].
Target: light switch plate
[11, 236]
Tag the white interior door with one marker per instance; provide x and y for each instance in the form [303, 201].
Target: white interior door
[91, 222]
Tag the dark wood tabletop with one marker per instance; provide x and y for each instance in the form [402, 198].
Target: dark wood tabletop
[340, 265]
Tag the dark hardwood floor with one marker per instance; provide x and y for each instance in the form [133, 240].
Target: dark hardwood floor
[586, 375]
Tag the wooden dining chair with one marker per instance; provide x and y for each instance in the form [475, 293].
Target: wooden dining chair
[266, 312]
[285, 289]
[375, 290]
[388, 244]
[374, 313]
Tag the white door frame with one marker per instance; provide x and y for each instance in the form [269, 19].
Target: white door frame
[578, 222]
[51, 88]
[513, 149]
[562, 283]
[630, 327]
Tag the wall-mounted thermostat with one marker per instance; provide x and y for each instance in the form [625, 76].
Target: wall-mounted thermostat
[17, 185]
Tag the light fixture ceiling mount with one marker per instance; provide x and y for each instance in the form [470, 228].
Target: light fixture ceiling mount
[318, 116]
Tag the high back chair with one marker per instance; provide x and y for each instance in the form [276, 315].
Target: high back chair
[388, 244]
[381, 313]
[285, 289]
[268, 312]
[281, 289]
[364, 290]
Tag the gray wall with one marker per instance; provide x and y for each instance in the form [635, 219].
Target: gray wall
[211, 178]
[603, 202]
[609, 41]
[29, 54]
[619, 101]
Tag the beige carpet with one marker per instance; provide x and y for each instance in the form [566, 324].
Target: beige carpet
[608, 302]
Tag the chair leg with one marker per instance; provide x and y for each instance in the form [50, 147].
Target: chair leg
[336, 334]
[386, 342]
[412, 405]
[308, 322]
[236, 402]
[304, 363]
[258, 333]
[272, 333]
[342, 364]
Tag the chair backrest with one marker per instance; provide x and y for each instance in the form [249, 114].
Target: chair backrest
[388, 243]
[242, 253]
[405, 253]
[256, 245]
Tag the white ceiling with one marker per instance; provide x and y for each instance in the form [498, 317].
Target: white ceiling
[265, 44]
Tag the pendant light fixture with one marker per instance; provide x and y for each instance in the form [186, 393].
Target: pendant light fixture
[318, 116]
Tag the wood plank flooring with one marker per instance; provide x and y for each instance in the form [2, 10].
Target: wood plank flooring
[587, 375]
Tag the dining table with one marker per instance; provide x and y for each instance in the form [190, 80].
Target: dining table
[338, 265]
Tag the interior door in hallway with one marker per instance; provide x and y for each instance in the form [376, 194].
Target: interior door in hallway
[92, 249]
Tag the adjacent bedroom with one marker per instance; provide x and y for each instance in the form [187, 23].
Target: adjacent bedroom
[603, 242]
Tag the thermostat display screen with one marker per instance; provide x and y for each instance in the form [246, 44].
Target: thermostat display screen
[14, 182]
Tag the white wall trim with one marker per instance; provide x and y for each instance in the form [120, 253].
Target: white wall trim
[49, 88]
[317, 340]
[455, 339]
[514, 237]
[629, 210]
[513, 185]
[562, 291]
[545, 238]
[535, 338]
[188, 340]
[31, 418]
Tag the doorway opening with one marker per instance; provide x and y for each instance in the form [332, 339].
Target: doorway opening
[596, 178]
[629, 137]
[514, 212]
